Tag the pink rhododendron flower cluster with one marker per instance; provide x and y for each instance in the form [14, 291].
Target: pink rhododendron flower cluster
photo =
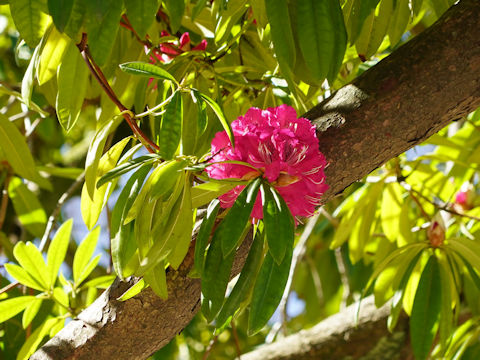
[168, 51]
[280, 147]
[465, 198]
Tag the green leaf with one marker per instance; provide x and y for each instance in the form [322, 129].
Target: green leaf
[169, 133]
[229, 17]
[398, 22]
[157, 280]
[30, 20]
[57, 250]
[281, 31]
[102, 23]
[75, 22]
[141, 14]
[268, 291]
[317, 35]
[60, 10]
[88, 268]
[199, 6]
[391, 210]
[360, 10]
[15, 149]
[101, 282]
[32, 261]
[31, 311]
[426, 310]
[72, 83]
[83, 255]
[133, 290]
[71, 173]
[201, 114]
[245, 282]
[94, 153]
[92, 206]
[23, 277]
[11, 307]
[204, 233]
[52, 55]
[215, 278]
[34, 340]
[130, 165]
[232, 226]
[445, 326]
[122, 241]
[185, 227]
[204, 193]
[27, 207]
[468, 249]
[279, 223]
[146, 69]
[175, 10]
[219, 112]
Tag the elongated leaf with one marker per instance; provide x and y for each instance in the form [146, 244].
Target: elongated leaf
[231, 228]
[126, 167]
[245, 282]
[175, 10]
[426, 310]
[229, 17]
[141, 14]
[92, 206]
[72, 83]
[146, 69]
[95, 152]
[11, 307]
[101, 282]
[221, 116]
[27, 207]
[88, 268]
[169, 133]
[199, 6]
[316, 35]
[31, 344]
[75, 22]
[281, 31]
[204, 193]
[102, 23]
[215, 278]
[23, 277]
[122, 239]
[60, 11]
[468, 249]
[201, 113]
[398, 22]
[360, 10]
[57, 250]
[279, 223]
[83, 254]
[29, 19]
[268, 291]
[445, 325]
[52, 55]
[204, 234]
[31, 311]
[66, 173]
[157, 280]
[185, 226]
[133, 290]
[32, 261]
[15, 149]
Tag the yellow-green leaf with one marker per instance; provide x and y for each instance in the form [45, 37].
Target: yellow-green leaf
[32, 261]
[11, 307]
[52, 55]
[57, 250]
[29, 19]
[84, 253]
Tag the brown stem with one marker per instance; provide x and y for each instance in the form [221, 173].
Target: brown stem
[4, 203]
[235, 339]
[100, 77]
[9, 287]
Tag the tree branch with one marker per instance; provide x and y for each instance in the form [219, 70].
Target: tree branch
[339, 337]
[400, 102]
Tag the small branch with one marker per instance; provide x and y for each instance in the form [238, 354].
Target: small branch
[127, 114]
[58, 207]
[9, 287]
[210, 347]
[4, 203]
[235, 339]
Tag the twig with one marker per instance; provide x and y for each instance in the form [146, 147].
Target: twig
[235, 339]
[210, 347]
[127, 114]
[9, 287]
[342, 269]
[4, 204]
[56, 211]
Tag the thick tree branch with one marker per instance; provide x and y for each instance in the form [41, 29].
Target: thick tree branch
[339, 337]
[400, 102]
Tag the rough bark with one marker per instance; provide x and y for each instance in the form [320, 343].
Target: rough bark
[400, 102]
[340, 337]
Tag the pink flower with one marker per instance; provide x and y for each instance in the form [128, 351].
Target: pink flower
[167, 51]
[465, 198]
[280, 147]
